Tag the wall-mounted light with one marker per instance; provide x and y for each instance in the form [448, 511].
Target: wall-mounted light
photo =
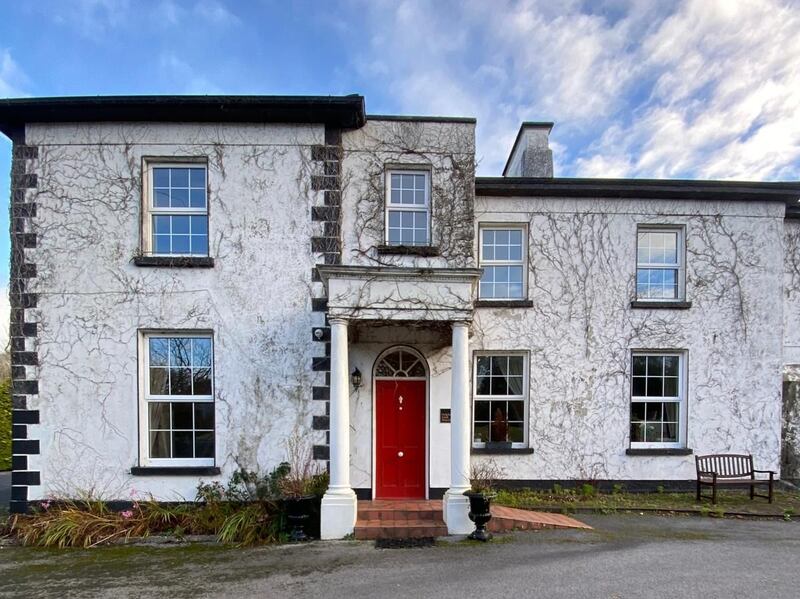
[355, 378]
[318, 333]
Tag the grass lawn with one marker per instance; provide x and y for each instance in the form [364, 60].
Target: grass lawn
[5, 425]
[786, 504]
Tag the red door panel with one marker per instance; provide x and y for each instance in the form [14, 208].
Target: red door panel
[400, 439]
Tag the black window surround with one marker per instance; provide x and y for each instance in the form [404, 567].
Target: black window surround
[502, 451]
[408, 250]
[175, 471]
[666, 451]
[659, 305]
[486, 303]
[174, 261]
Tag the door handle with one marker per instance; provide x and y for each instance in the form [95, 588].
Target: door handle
[399, 454]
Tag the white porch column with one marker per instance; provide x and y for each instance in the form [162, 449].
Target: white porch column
[456, 505]
[338, 513]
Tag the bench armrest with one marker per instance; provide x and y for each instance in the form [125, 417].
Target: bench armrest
[765, 471]
[706, 474]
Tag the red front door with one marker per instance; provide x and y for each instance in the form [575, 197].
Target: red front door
[400, 439]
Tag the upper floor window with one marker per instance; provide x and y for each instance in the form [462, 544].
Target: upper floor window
[659, 264]
[408, 208]
[177, 206]
[177, 411]
[500, 392]
[502, 257]
[658, 399]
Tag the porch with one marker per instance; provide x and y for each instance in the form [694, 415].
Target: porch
[439, 299]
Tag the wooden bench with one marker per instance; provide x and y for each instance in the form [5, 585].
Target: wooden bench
[730, 469]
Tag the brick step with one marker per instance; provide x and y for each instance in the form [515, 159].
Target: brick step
[399, 514]
[399, 529]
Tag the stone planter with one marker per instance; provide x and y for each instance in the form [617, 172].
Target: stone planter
[298, 511]
[480, 513]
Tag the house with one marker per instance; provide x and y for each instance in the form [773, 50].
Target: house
[195, 279]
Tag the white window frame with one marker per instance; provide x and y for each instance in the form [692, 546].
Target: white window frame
[150, 210]
[680, 265]
[407, 207]
[682, 356]
[146, 397]
[524, 397]
[523, 227]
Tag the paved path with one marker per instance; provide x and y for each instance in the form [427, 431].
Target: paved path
[5, 490]
[624, 556]
[509, 518]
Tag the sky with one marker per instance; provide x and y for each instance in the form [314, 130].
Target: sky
[676, 89]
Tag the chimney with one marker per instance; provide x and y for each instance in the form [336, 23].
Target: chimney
[531, 155]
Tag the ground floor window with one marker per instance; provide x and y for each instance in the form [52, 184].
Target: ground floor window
[178, 404]
[500, 385]
[658, 399]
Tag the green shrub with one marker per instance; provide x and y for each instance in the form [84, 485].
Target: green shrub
[247, 511]
[5, 424]
[588, 490]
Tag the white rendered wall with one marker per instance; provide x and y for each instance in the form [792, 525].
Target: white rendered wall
[791, 305]
[581, 330]
[93, 300]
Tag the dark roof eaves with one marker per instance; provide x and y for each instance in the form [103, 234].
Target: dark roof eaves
[422, 118]
[338, 111]
[637, 188]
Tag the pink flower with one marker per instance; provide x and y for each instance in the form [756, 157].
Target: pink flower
[45, 505]
[127, 514]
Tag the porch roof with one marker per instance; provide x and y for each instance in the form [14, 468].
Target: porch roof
[390, 293]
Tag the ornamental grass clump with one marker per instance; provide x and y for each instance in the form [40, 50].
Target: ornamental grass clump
[89, 522]
[247, 511]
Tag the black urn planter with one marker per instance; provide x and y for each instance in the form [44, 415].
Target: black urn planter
[298, 511]
[480, 513]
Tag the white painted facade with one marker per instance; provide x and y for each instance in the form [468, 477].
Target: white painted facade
[577, 335]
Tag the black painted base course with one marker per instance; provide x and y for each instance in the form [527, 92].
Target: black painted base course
[604, 486]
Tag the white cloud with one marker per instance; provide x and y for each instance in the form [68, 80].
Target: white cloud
[697, 88]
[12, 79]
[91, 18]
[184, 76]
[95, 19]
[216, 13]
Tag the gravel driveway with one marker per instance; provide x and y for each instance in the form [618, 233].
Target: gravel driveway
[625, 556]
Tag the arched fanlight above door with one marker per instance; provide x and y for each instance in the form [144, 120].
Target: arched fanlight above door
[400, 364]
